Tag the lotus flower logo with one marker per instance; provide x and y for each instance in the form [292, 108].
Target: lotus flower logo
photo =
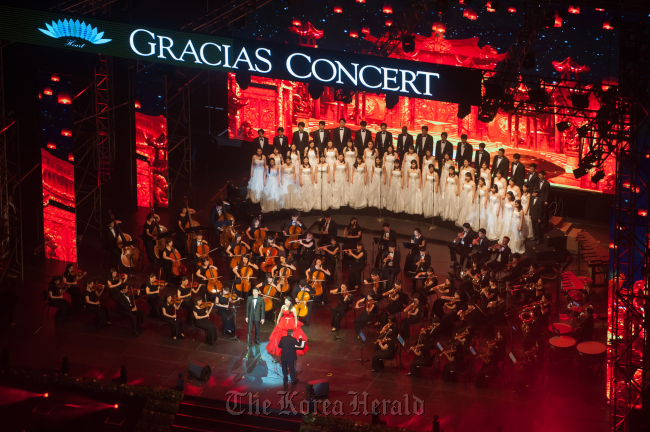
[70, 28]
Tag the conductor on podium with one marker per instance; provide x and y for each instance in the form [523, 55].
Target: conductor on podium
[288, 344]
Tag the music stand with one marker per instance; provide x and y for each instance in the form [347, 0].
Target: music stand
[363, 341]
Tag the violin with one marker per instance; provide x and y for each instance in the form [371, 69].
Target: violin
[214, 284]
[369, 305]
[283, 283]
[416, 349]
[78, 273]
[190, 224]
[228, 233]
[159, 283]
[291, 243]
[178, 269]
[245, 285]
[175, 301]
[414, 304]
[271, 254]
[237, 252]
[158, 232]
[204, 251]
[317, 278]
[130, 254]
[269, 292]
[206, 305]
[258, 235]
[301, 305]
[97, 287]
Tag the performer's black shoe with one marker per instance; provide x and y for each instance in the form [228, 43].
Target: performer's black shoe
[257, 343]
[295, 382]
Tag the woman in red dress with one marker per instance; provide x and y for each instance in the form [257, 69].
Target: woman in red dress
[287, 319]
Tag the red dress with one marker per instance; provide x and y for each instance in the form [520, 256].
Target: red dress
[287, 321]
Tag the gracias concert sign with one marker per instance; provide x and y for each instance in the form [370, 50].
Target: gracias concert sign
[280, 61]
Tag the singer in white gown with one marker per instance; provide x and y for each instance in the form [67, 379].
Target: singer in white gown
[311, 151]
[271, 199]
[430, 195]
[494, 214]
[357, 196]
[295, 156]
[369, 156]
[516, 231]
[409, 156]
[466, 168]
[322, 185]
[466, 200]
[525, 203]
[340, 183]
[450, 197]
[289, 183]
[506, 220]
[512, 187]
[256, 182]
[485, 174]
[502, 184]
[395, 198]
[412, 192]
[306, 174]
[389, 158]
[331, 154]
[444, 171]
[350, 153]
[481, 206]
[375, 179]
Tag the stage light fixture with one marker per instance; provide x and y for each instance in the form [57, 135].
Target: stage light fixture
[538, 97]
[243, 79]
[465, 2]
[342, 95]
[315, 90]
[529, 61]
[580, 172]
[408, 43]
[392, 99]
[493, 89]
[507, 102]
[563, 125]
[464, 109]
[583, 131]
[600, 174]
[580, 100]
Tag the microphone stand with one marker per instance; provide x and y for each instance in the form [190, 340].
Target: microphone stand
[380, 178]
[433, 200]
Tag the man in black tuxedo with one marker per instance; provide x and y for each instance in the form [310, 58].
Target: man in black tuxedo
[479, 248]
[111, 243]
[262, 142]
[518, 170]
[544, 194]
[443, 146]
[321, 136]
[341, 135]
[532, 179]
[383, 139]
[127, 308]
[423, 142]
[404, 140]
[362, 137]
[254, 315]
[464, 151]
[502, 256]
[421, 261]
[461, 246]
[301, 139]
[281, 142]
[328, 227]
[536, 215]
[390, 264]
[500, 163]
[388, 235]
[288, 344]
[220, 209]
[480, 157]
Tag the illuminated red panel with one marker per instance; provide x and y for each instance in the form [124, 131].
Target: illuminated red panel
[365, 30]
[54, 78]
[600, 10]
[389, 22]
[71, 157]
[489, 8]
[296, 23]
[151, 145]
[145, 183]
[512, 9]
[354, 34]
[469, 14]
[64, 98]
[338, 9]
[574, 9]
[137, 104]
[66, 132]
[387, 9]
[558, 21]
[361, 1]
[47, 91]
[607, 25]
[51, 145]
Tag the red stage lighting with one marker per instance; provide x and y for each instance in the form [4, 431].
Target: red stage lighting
[47, 91]
[338, 9]
[488, 7]
[643, 213]
[607, 25]
[575, 9]
[54, 77]
[137, 104]
[469, 14]
[66, 132]
[296, 23]
[389, 22]
[361, 1]
[558, 21]
[71, 157]
[512, 9]
[116, 406]
[64, 98]
[365, 30]
[439, 27]
[51, 145]
[387, 9]
[600, 10]
[46, 395]
[354, 34]
[612, 246]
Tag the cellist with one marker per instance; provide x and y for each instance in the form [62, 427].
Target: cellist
[317, 266]
[181, 236]
[293, 222]
[237, 271]
[195, 256]
[148, 239]
[302, 286]
[221, 208]
[203, 279]
[167, 259]
[256, 224]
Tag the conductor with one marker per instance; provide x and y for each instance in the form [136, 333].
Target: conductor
[254, 315]
[288, 344]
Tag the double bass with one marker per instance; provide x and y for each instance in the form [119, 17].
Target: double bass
[130, 254]
[190, 224]
[158, 232]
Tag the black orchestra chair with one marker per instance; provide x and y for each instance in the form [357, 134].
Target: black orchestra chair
[46, 306]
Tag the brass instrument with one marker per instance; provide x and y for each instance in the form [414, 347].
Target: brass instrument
[526, 315]
[496, 247]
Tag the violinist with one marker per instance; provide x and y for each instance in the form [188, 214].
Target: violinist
[55, 298]
[422, 352]
[342, 306]
[377, 285]
[480, 248]
[202, 320]
[352, 233]
[256, 224]
[127, 307]
[462, 246]
[390, 263]
[384, 349]
[307, 252]
[412, 317]
[111, 242]
[457, 307]
[92, 304]
[421, 261]
[148, 238]
[502, 255]
[225, 305]
[115, 283]
[293, 222]
[388, 236]
[330, 254]
[496, 310]
[430, 285]
[303, 286]
[153, 296]
[317, 266]
[328, 227]
[456, 363]
[243, 264]
[488, 368]
[181, 235]
[168, 259]
[465, 336]
[169, 316]
[184, 293]
[358, 263]
[447, 290]
[395, 303]
[369, 306]
[195, 256]
[471, 315]
[69, 281]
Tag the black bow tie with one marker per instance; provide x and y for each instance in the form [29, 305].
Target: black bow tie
[383, 133]
[342, 128]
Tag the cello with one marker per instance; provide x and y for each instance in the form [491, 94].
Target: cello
[259, 235]
[214, 284]
[204, 250]
[228, 233]
[130, 254]
[291, 243]
[158, 232]
[238, 251]
[178, 269]
[190, 224]
[317, 278]
[246, 274]
[271, 254]
[301, 305]
[269, 292]
[283, 283]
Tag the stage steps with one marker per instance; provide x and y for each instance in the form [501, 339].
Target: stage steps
[559, 223]
[199, 414]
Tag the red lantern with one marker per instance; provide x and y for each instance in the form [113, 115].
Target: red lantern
[296, 23]
[47, 91]
[64, 98]
[137, 104]
[387, 9]
[54, 78]
[51, 145]
[607, 25]
[365, 30]
[488, 7]
[558, 21]
[575, 9]
[338, 9]
[389, 22]
[354, 34]
[439, 27]
[66, 132]
[512, 9]
[71, 157]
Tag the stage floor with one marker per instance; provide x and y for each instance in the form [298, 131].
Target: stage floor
[568, 402]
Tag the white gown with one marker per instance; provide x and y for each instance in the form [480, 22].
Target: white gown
[256, 183]
[370, 159]
[413, 195]
[426, 162]
[493, 221]
[313, 158]
[395, 200]
[462, 174]
[322, 189]
[306, 191]
[350, 159]
[330, 158]
[357, 195]
[278, 160]
[373, 188]
[450, 200]
[407, 161]
[295, 160]
[528, 222]
[444, 174]
[517, 237]
[486, 176]
[340, 187]
[506, 220]
[390, 162]
[429, 201]
[481, 213]
[514, 192]
[290, 192]
[466, 210]
[502, 192]
[271, 199]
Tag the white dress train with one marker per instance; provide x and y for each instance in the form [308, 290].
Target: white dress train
[290, 192]
[450, 200]
[480, 211]
[306, 190]
[395, 200]
[493, 221]
[429, 204]
[357, 194]
[256, 182]
[271, 199]
[373, 188]
[413, 195]
[506, 220]
[465, 207]
[528, 222]
[322, 189]
[340, 187]
[517, 237]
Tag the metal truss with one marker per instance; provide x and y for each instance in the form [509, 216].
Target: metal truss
[225, 13]
[84, 7]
